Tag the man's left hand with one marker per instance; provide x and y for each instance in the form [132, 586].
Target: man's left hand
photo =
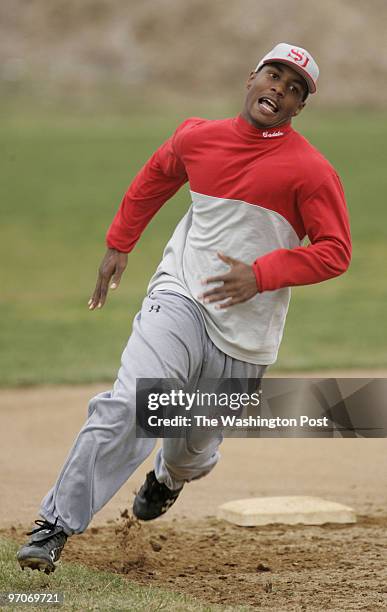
[239, 284]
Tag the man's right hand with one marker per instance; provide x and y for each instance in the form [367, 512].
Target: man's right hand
[109, 273]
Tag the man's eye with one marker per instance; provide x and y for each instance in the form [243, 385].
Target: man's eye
[274, 75]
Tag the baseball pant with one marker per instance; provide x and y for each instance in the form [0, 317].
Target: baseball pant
[168, 340]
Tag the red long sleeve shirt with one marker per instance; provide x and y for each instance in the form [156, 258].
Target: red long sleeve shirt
[256, 194]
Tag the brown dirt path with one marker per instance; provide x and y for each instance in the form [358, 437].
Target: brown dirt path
[334, 567]
[39, 425]
[274, 567]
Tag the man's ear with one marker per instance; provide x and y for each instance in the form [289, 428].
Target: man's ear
[250, 80]
[299, 109]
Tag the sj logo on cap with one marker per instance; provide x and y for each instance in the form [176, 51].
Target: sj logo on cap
[299, 56]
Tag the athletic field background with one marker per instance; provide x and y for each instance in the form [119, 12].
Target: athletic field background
[62, 178]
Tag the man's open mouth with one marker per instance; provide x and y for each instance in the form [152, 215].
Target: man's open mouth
[268, 105]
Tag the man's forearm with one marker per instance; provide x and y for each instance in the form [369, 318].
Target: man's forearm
[302, 265]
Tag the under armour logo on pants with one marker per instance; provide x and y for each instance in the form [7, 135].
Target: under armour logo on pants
[155, 308]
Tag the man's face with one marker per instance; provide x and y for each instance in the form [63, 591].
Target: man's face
[275, 95]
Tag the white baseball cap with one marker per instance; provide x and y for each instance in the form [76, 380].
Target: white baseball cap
[297, 58]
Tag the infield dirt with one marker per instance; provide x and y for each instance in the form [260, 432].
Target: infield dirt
[276, 567]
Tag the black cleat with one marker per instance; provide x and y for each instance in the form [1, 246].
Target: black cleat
[153, 499]
[43, 550]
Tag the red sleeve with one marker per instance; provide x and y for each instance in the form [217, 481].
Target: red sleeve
[157, 182]
[325, 218]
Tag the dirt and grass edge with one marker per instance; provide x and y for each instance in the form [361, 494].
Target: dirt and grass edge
[89, 589]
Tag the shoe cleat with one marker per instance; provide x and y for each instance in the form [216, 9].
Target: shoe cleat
[153, 499]
[44, 548]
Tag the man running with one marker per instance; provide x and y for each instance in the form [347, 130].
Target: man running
[217, 303]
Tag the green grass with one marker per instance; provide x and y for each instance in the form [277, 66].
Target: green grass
[62, 178]
[87, 589]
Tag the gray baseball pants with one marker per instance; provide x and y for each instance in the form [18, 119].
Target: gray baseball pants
[168, 340]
